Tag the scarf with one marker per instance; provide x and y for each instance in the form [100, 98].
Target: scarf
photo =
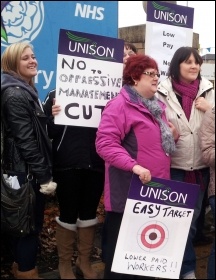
[154, 108]
[188, 93]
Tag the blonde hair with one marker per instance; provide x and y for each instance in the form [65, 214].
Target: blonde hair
[11, 57]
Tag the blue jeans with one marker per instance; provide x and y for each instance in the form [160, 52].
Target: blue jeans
[189, 259]
[211, 259]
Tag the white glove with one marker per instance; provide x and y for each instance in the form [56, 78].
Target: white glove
[48, 188]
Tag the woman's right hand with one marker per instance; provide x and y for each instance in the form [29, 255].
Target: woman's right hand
[55, 108]
[202, 104]
[144, 174]
[174, 131]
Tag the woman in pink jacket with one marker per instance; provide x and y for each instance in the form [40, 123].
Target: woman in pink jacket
[133, 137]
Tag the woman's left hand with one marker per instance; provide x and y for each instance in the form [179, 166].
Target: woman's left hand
[174, 131]
[55, 108]
[143, 173]
[202, 104]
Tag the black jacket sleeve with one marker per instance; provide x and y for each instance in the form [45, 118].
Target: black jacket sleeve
[53, 129]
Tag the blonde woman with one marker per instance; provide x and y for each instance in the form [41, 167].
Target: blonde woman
[25, 146]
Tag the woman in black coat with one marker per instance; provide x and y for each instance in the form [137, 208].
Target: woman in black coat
[26, 146]
[79, 173]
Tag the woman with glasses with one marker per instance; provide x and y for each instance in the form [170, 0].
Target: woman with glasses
[133, 134]
[187, 96]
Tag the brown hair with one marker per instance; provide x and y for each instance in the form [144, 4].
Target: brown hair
[130, 46]
[182, 54]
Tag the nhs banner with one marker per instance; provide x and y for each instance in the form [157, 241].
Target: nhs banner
[39, 23]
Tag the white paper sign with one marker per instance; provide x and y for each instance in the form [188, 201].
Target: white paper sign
[168, 27]
[154, 228]
[89, 74]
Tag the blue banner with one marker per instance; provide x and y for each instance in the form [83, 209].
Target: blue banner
[39, 22]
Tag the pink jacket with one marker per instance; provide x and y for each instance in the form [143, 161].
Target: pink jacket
[128, 135]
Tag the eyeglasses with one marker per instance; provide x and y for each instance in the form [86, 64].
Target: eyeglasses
[152, 74]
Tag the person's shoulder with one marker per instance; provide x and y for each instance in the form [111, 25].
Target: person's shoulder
[165, 82]
[13, 96]
[162, 104]
[204, 79]
[165, 86]
[13, 91]
[50, 95]
[210, 113]
[208, 121]
[116, 102]
[206, 83]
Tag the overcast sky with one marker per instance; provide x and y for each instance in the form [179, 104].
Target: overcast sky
[132, 13]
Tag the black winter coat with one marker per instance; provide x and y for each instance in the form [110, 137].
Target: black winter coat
[25, 139]
[73, 146]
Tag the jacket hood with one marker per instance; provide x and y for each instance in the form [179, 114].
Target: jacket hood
[9, 80]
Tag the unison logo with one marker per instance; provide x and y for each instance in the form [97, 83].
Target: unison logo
[87, 46]
[167, 14]
[159, 191]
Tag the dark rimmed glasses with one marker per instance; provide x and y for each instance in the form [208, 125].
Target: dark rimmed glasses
[152, 74]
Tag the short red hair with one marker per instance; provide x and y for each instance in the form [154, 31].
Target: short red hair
[135, 66]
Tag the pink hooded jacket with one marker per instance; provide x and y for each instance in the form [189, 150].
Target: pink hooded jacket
[127, 135]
